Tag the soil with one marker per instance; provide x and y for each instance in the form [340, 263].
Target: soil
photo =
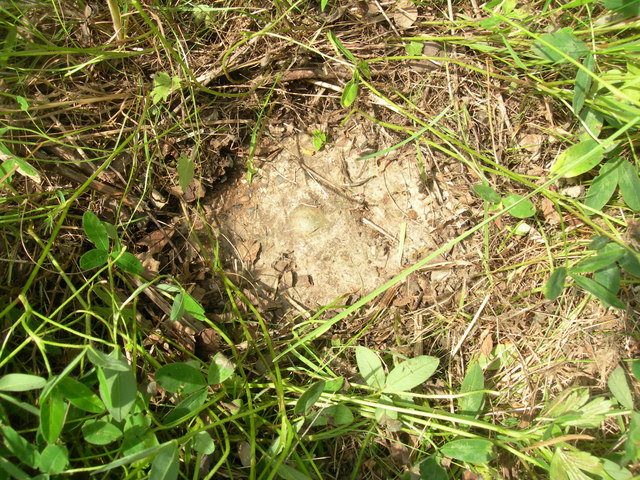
[329, 224]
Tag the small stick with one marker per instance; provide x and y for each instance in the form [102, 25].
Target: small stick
[471, 325]
[381, 230]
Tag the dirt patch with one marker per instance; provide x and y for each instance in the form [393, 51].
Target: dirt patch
[340, 221]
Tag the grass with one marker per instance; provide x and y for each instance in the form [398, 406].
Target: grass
[115, 366]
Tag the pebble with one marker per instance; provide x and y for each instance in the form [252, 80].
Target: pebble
[305, 220]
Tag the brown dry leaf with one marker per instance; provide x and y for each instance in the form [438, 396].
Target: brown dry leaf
[249, 251]
[405, 14]
[486, 343]
[288, 279]
[400, 454]
[632, 235]
[573, 191]
[431, 49]
[195, 191]
[244, 452]
[549, 211]
[402, 301]
[156, 240]
[207, 343]
[183, 335]
[150, 264]
[531, 142]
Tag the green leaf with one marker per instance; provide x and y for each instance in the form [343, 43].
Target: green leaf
[370, 367]
[340, 48]
[630, 263]
[187, 407]
[180, 377]
[166, 463]
[578, 159]
[309, 398]
[554, 286]
[569, 465]
[177, 308]
[589, 416]
[524, 209]
[474, 380]
[193, 307]
[619, 387]
[54, 459]
[118, 388]
[414, 48]
[26, 451]
[598, 242]
[110, 362]
[52, 416]
[603, 186]
[571, 399]
[430, 469]
[163, 85]
[582, 84]
[290, 473]
[14, 471]
[93, 259]
[24, 105]
[486, 193]
[350, 92]
[128, 262]
[134, 457]
[220, 369]
[334, 384]
[470, 450]
[597, 290]
[21, 382]
[183, 302]
[137, 438]
[615, 471]
[632, 444]
[603, 259]
[363, 69]
[319, 139]
[559, 46]
[593, 121]
[635, 368]
[203, 443]
[21, 166]
[629, 8]
[80, 396]
[335, 414]
[9, 44]
[99, 432]
[609, 278]
[7, 167]
[95, 230]
[410, 374]
[630, 185]
[323, 4]
[186, 171]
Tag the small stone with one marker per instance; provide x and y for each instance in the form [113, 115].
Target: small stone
[305, 220]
